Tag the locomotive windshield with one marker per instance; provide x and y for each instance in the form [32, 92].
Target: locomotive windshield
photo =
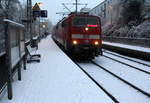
[83, 21]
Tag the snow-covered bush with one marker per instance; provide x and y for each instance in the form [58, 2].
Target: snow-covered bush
[109, 29]
[140, 31]
[11, 9]
[121, 32]
[146, 11]
[133, 20]
[132, 11]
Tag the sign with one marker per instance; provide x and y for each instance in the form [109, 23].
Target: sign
[43, 13]
[39, 13]
[36, 13]
[36, 7]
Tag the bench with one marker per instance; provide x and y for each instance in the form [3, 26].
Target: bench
[30, 56]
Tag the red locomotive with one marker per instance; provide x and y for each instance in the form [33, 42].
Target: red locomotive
[79, 34]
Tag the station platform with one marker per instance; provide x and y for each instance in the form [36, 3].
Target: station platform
[137, 48]
[138, 52]
[56, 79]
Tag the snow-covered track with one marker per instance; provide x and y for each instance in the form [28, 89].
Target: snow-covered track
[123, 80]
[139, 69]
[126, 58]
[100, 86]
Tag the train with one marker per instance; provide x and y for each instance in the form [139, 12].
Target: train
[80, 35]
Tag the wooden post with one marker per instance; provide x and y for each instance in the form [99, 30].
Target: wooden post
[8, 61]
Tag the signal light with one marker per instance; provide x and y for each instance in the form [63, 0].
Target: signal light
[75, 42]
[96, 43]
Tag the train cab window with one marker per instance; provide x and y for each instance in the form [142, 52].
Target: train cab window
[83, 21]
[92, 21]
[79, 21]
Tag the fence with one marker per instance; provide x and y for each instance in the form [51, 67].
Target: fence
[13, 55]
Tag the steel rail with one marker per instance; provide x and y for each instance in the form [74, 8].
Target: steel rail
[136, 68]
[100, 86]
[123, 80]
[127, 58]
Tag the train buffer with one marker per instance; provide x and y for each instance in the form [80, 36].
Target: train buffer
[56, 79]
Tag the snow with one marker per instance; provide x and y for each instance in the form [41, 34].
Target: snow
[143, 49]
[56, 79]
[122, 92]
[135, 77]
[15, 23]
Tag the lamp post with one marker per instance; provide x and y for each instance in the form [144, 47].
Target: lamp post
[29, 18]
[39, 5]
[36, 8]
[110, 7]
[44, 27]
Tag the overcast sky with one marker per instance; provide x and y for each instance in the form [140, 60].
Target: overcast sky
[54, 6]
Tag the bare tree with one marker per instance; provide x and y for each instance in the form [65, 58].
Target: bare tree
[146, 11]
[132, 11]
[10, 9]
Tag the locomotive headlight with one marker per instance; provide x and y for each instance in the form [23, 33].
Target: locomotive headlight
[75, 42]
[96, 43]
[86, 29]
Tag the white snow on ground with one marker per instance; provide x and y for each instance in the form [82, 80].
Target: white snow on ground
[128, 46]
[138, 78]
[129, 62]
[122, 92]
[56, 79]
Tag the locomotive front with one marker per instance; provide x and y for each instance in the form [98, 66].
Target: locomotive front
[86, 35]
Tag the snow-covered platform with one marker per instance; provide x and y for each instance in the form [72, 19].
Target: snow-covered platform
[56, 79]
[137, 48]
[128, 50]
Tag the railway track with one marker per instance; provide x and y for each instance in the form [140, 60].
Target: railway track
[134, 67]
[127, 58]
[100, 86]
[105, 89]
[137, 65]
[123, 80]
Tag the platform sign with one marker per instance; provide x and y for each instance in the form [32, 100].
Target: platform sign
[36, 13]
[40, 13]
[44, 13]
